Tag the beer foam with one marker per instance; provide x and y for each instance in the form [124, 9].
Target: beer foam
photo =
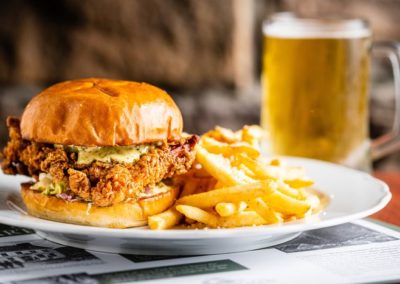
[286, 26]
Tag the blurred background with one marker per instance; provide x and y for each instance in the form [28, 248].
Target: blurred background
[206, 53]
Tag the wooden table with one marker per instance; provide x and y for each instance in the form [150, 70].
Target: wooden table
[391, 213]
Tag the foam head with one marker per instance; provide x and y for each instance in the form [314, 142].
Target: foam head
[287, 25]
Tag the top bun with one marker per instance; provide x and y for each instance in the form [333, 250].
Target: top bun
[101, 112]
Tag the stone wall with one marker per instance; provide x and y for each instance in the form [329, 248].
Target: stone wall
[180, 44]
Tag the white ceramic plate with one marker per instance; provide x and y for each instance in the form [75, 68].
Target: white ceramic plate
[353, 195]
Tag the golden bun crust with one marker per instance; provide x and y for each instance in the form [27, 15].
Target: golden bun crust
[101, 112]
[121, 215]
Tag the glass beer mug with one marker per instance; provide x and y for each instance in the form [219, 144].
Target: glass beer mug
[315, 90]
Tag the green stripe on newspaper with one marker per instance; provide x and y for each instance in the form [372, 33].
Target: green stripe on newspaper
[153, 273]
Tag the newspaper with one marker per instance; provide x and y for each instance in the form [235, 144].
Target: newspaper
[358, 252]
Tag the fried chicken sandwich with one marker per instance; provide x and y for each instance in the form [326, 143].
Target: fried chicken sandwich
[100, 152]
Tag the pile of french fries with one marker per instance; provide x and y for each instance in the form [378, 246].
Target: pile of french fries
[230, 185]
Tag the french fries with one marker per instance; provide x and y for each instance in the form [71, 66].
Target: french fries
[224, 135]
[165, 220]
[216, 147]
[231, 186]
[299, 183]
[220, 168]
[225, 209]
[196, 185]
[286, 204]
[236, 193]
[262, 209]
[198, 215]
[251, 134]
[241, 219]
[289, 191]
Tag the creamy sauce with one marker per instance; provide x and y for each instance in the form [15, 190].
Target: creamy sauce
[125, 154]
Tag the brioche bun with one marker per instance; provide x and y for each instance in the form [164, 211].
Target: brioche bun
[101, 112]
[121, 215]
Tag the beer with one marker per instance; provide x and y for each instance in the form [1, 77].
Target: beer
[315, 93]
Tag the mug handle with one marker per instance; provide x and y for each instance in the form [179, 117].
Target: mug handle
[389, 142]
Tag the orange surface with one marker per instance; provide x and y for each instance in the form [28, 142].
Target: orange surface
[391, 213]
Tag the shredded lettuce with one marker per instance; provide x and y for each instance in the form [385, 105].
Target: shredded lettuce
[54, 189]
[47, 186]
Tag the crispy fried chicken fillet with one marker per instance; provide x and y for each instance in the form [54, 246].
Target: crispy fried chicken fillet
[101, 183]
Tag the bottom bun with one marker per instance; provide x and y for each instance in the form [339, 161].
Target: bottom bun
[121, 215]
